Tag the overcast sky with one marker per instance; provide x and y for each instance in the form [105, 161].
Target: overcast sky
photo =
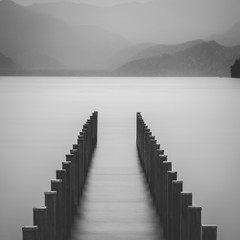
[222, 5]
[189, 19]
[95, 2]
[227, 9]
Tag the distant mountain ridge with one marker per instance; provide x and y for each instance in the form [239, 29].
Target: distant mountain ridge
[7, 63]
[37, 41]
[150, 50]
[38, 38]
[146, 21]
[8, 66]
[230, 37]
[203, 59]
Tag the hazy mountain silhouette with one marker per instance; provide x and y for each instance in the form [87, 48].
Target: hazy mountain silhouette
[7, 63]
[235, 69]
[127, 54]
[8, 66]
[230, 37]
[152, 21]
[160, 49]
[149, 50]
[36, 40]
[204, 59]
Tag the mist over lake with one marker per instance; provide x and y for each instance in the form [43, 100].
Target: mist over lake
[171, 61]
[119, 38]
[196, 121]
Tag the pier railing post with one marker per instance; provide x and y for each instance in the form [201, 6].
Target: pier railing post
[61, 174]
[81, 163]
[30, 232]
[186, 201]
[56, 185]
[166, 167]
[177, 187]
[40, 220]
[67, 167]
[51, 203]
[194, 223]
[76, 176]
[171, 177]
[209, 232]
[158, 188]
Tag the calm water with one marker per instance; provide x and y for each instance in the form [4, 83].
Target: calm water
[196, 121]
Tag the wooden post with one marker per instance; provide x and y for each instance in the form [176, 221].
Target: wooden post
[171, 177]
[160, 151]
[157, 182]
[79, 184]
[81, 162]
[83, 136]
[95, 114]
[61, 174]
[30, 232]
[186, 201]
[50, 203]
[167, 166]
[67, 166]
[147, 135]
[155, 172]
[70, 158]
[56, 185]
[151, 164]
[74, 153]
[138, 128]
[209, 232]
[194, 223]
[162, 159]
[40, 220]
[177, 187]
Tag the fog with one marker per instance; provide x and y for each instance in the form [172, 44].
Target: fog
[196, 121]
[75, 35]
[165, 21]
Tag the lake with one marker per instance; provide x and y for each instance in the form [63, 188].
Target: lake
[196, 121]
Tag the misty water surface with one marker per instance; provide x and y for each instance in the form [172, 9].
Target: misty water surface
[196, 121]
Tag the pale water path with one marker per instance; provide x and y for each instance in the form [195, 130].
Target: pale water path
[116, 203]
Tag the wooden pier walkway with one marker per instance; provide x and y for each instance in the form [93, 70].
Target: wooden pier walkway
[116, 204]
[124, 190]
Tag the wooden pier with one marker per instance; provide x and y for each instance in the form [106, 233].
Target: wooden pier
[115, 196]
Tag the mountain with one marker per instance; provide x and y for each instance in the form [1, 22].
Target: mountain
[146, 21]
[7, 63]
[37, 41]
[230, 37]
[204, 59]
[8, 66]
[127, 54]
[148, 50]
[235, 69]
[160, 49]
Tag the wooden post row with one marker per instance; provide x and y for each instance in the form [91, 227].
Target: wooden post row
[53, 221]
[180, 220]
